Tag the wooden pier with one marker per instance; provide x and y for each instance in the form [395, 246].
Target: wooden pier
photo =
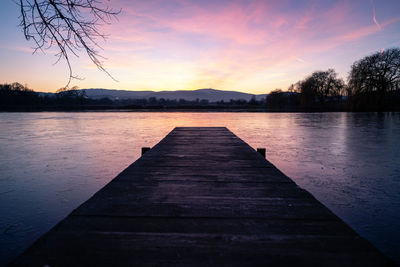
[201, 196]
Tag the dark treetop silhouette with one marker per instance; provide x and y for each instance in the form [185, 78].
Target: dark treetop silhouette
[373, 84]
[375, 80]
[70, 25]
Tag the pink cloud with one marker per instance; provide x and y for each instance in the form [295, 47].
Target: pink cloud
[224, 43]
[366, 31]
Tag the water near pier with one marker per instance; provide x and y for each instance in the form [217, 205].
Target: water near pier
[52, 162]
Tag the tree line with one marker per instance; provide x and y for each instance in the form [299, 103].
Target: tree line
[18, 97]
[373, 84]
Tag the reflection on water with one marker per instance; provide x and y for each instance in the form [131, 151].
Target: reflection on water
[52, 162]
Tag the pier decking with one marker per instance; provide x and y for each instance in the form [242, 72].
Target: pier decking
[201, 196]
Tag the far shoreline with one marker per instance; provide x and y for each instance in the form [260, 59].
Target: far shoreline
[181, 110]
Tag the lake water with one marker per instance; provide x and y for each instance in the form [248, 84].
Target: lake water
[52, 162]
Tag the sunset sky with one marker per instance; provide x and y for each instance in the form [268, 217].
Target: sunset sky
[248, 46]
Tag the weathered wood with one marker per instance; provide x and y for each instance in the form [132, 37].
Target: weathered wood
[145, 149]
[202, 196]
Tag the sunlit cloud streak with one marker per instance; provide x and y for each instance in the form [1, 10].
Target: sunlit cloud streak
[374, 15]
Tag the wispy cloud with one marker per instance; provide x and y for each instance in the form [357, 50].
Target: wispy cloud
[17, 48]
[374, 15]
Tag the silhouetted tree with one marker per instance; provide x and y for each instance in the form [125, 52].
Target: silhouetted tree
[204, 102]
[372, 78]
[16, 94]
[153, 100]
[253, 101]
[276, 99]
[71, 97]
[293, 88]
[283, 100]
[70, 25]
[321, 87]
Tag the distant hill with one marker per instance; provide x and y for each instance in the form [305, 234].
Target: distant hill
[211, 95]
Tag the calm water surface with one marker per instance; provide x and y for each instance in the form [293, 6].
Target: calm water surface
[52, 162]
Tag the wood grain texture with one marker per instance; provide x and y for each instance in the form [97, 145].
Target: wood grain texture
[201, 196]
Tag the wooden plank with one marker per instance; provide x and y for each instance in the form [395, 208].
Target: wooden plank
[212, 225]
[202, 196]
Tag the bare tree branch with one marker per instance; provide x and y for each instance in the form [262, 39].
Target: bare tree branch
[70, 25]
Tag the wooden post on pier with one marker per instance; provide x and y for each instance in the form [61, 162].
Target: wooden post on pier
[145, 149]
[261, 151]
